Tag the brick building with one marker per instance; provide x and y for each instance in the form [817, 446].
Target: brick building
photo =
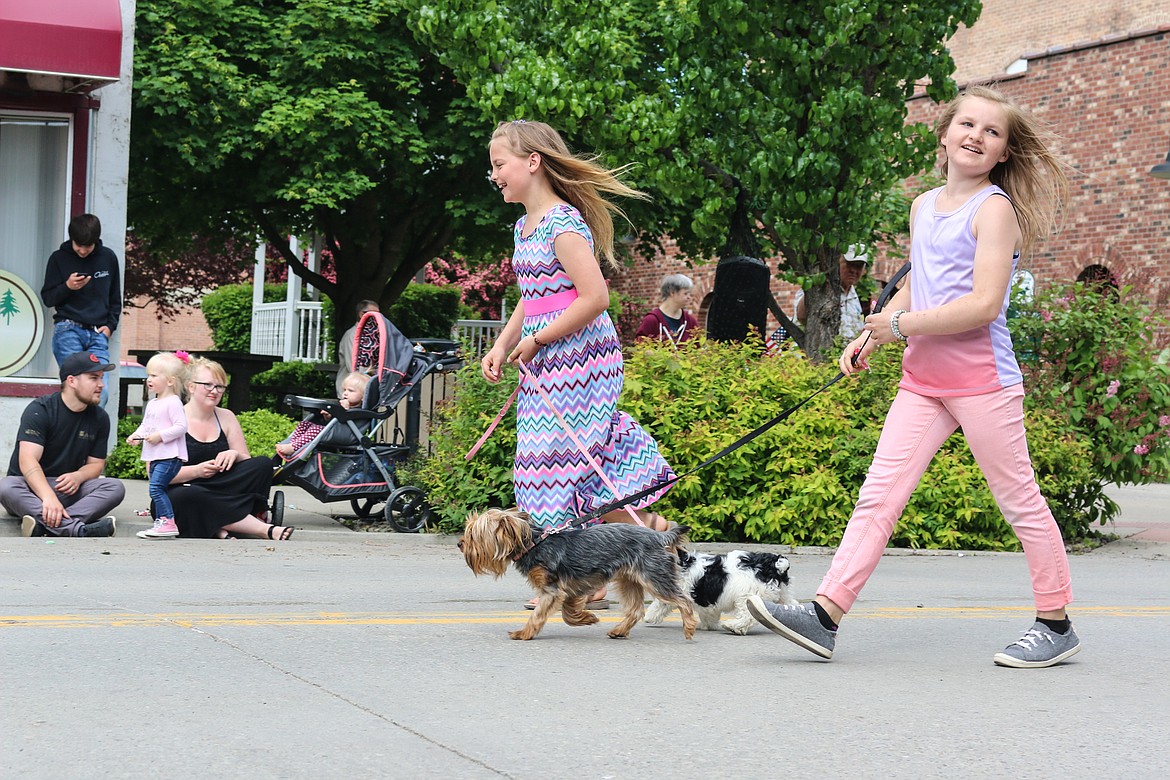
[1100, 74]
[143, 329]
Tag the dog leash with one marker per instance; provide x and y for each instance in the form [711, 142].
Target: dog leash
[887, 291]
[885, 295]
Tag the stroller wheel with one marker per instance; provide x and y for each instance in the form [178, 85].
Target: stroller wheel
[364, 507]
[406, 510]
[276, 513]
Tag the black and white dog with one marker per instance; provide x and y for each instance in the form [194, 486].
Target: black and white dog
[722, 583]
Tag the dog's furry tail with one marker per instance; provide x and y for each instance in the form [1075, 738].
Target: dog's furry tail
[675, 536]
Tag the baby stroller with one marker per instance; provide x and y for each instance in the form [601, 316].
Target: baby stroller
[342, 463]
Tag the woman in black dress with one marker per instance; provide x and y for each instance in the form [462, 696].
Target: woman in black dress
[222, 490]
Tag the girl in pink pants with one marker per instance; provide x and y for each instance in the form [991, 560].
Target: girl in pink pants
[1003, 190]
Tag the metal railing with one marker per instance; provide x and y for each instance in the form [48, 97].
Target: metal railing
[310, 343]
[476, 336]
[411, 422]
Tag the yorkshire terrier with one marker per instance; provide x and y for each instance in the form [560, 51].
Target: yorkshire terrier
[722, 583]
[565, 568]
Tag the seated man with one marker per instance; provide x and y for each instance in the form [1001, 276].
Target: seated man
[55, 483]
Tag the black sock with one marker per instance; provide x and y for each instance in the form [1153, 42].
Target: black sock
[823, 616]
[1059, 626]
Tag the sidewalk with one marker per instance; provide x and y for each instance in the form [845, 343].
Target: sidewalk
[1143, 523]
[301, 511]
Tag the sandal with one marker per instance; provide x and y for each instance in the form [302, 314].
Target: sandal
[286, 531]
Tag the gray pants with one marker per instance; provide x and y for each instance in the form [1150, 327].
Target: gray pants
[92, 501]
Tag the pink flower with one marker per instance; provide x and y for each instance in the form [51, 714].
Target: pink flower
[1164, 420]
[1141, 449]
[1114, 386]
[1046, 315]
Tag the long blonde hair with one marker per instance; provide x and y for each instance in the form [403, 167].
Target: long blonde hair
[1032, 176]
[579, 181]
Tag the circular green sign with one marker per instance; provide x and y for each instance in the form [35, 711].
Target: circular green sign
[23, 320]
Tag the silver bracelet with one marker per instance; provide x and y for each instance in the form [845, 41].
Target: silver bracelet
[894, 325]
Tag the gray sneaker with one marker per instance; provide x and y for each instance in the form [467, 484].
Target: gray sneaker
[1039, 647]
[797, 623]
[107, 526]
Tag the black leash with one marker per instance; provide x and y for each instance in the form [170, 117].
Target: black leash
[886, 293]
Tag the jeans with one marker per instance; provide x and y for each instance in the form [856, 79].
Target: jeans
[69, 338]
[161, 474]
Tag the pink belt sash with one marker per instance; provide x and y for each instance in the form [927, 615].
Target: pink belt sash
[547, 303]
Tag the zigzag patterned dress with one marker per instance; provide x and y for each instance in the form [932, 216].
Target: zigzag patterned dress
[582, 373]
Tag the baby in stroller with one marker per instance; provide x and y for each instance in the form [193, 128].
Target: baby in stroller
[353, 391]
[350, 458]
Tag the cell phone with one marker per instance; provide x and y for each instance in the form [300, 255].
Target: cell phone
[80, 273]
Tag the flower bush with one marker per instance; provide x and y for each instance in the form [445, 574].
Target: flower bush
[483, 286]
[1087, 356]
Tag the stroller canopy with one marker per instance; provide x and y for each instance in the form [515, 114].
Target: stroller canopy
[381, 351]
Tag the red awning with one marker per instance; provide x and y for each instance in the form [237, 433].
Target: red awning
[78, 38]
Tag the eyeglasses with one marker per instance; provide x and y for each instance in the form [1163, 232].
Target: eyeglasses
[211, 387]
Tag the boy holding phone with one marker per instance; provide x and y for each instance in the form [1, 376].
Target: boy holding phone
[83, 284]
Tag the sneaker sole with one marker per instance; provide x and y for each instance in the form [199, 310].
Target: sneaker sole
[148, 535]
[1003, 659]
[767, 621]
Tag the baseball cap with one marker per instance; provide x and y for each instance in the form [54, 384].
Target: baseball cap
[856, 254]
[83, 363]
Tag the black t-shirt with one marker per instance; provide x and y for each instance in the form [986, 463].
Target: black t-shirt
[673, 323]
[70, 438]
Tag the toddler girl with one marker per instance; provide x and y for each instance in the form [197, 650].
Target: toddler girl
[161, 434]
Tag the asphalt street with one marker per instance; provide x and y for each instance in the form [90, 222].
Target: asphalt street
[342, 654]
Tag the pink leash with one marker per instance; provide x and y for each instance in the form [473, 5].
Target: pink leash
[564, 425]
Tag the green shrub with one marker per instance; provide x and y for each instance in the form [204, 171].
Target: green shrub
[454, 485]
[125, 461]
[262, 430]
[796, 484]
[1086, 356]
[294, 376]
[228, 312]
[426, 311]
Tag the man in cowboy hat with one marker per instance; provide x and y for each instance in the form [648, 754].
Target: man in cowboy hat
[55, 483]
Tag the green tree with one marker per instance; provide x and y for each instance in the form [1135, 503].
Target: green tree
[761, 128]
[8, 305]
[306, 116]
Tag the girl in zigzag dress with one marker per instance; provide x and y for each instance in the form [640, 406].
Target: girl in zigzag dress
[563, 333]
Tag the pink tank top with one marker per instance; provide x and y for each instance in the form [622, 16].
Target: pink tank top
[942, 254]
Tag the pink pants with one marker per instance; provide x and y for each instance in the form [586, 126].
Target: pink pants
[915, 428]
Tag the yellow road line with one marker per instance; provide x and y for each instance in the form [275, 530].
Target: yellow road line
[190, 620]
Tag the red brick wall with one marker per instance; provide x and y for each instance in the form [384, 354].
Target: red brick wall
[142, 329]
[1008, 29]
[1108, 104]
